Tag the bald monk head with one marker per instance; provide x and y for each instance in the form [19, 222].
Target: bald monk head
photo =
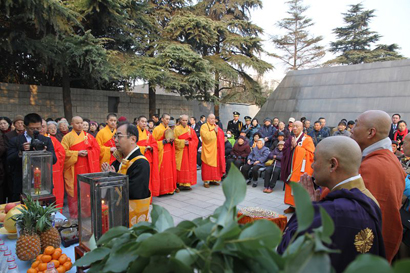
[336, 159]
[406, 145]
[297, 128]
[211, 119]
[371, 127]
[77, 123]
[183, 120]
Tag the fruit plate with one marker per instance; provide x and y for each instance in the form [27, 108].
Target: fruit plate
[4, 231]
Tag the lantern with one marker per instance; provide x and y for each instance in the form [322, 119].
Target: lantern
[102, 204]
[38, 175]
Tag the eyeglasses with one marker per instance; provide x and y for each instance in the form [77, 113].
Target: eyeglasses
[119, 136]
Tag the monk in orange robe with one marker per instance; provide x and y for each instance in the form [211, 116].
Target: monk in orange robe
[382, 174]
[149, 148]
[298, 155]
[106, 141]
[166, 156]
[58, 167]
[186, 148]
[213, 152]
[82, 156]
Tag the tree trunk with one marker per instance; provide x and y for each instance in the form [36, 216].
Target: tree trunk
[68, 106]
[216, 94]
[152, 100]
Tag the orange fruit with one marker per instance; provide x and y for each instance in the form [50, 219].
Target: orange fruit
[61, 269]
[67, 265]
[46, 258]
[62, 259]
[39, 257]
[35, 264]
[56, 263]
[32, 270]
[42, 266]
[68, 259]
[49, 250]
[57, 253]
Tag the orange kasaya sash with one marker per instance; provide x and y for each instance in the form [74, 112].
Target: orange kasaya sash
[189, 158]
[152, 157]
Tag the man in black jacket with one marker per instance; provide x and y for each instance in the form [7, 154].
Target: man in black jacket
[135, 165]
[235, 125]
[17, 145]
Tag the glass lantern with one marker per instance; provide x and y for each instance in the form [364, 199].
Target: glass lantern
[37, 173]
[102, 204]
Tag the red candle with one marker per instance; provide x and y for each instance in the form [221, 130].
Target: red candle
[104, 217]
[37, 181]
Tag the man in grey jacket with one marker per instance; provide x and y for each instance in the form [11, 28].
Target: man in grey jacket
[256, 160]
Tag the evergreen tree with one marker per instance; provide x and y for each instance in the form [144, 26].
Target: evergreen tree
[355, 39]
[299, 49]
[228, 39]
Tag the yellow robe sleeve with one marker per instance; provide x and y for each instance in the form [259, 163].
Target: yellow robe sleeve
[179, 146]
[71, 157]
[209, 145]
[158, 134]
[102, 137]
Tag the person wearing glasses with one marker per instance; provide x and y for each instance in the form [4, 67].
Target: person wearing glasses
[17, 145]
[82, 155]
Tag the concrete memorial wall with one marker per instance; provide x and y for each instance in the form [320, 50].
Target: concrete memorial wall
[341, 92]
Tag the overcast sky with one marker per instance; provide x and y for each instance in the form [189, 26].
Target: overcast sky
[392, 21]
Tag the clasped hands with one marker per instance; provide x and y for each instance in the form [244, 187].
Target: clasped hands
[105, 167]
[307, 182]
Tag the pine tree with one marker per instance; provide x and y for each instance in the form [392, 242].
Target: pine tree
[230, 42]
[355, 39]
[299, 49]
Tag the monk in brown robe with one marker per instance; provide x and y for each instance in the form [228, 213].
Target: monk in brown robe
[382, 173]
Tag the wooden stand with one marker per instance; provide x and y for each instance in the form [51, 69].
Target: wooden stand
[44, 200]
[80, 251]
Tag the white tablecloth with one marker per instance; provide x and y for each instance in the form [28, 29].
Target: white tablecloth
[24, 266]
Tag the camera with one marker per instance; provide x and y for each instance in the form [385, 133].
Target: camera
[37, 144]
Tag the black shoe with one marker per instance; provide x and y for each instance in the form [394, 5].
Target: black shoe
[248, 182]
[255, 184]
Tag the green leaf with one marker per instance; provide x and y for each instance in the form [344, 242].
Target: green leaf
[234, 187]
[203, 231]
[120, 259]
[260, 234]
[92, 243]
[328, 226]
[143, 237]
[139, 264]
[369, 263]
[402, 266]
[160, 244]
[303, 206]
[306, 261]
[91, 257]
[161, 218]
[187, 256]
[111, 234]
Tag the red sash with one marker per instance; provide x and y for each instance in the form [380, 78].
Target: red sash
[152, 157]
[110, 143]
[188, 174]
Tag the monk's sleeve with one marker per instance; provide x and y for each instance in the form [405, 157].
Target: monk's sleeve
[60, 153]
[206, 135]
[100, 140]
[179, 143]
[71, 157]
[157, 136]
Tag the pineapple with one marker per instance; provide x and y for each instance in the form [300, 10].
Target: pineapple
[28, 245]
[49, 235]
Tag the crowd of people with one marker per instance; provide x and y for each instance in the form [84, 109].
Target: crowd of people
[162, 155]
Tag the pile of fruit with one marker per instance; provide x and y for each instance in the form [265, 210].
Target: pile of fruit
[62, 263]
[6, 212]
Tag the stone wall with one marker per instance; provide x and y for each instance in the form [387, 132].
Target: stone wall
[342, 92]
[93, 104]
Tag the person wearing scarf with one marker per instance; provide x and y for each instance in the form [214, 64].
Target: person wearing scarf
[5, 125]
[297, 159]
[401, 133]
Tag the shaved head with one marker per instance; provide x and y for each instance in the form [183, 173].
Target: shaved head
[211, 119]
[371, 127]
[297, 128]
[336, 159]
[76, 118]
[77, 123]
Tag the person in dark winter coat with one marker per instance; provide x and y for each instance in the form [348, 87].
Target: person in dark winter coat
[272, 172]
[267, 131]
[239, 153]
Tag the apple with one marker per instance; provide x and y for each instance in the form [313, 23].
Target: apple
[2, 217]
[9, 206]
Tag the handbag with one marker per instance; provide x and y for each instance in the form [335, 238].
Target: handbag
[405, 220]
[269, 162]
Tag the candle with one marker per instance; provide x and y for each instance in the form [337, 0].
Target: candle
[37, 181]
[104, 217]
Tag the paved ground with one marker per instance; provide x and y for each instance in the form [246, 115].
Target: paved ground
[188, 205]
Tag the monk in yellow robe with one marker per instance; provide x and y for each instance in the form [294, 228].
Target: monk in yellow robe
[166, 157]
[149, 148]
[186, 148]
[298, 155]
[213, 152]
[82, 156]
[106, 141]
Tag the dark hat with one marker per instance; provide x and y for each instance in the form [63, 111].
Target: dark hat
[267, 119]
[281, 134]
[395, 142]
[17, 118]
[351, 122]
[243, 131]
[235, 113]
[247, 118]
[122, 119]
[342, 122]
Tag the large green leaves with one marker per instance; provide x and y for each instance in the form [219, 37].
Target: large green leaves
[262, 234]
[369, 263]
[93, 256]
[160, 244]
[304, 207]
